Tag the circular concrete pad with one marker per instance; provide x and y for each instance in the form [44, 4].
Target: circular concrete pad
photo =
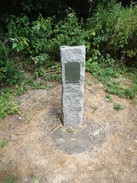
[71, 140]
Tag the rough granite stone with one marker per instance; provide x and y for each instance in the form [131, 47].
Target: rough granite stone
[72, 93]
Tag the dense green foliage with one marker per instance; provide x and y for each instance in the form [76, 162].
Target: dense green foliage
[115, 32]
[43, 36]
[110, 36]
[37, 42]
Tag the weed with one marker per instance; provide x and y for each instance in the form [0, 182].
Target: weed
[105, 73]
[121, 92]
[118, 107]
[3, 143]
[109, 98]
[96, 108]
[10, 162]
[10, 179]
[27, 119]
[19, 102]
[36, 181]
[7, 103]
[35, 85]
[69, 130]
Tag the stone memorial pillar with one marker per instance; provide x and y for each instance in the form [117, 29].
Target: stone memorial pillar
[73, 75]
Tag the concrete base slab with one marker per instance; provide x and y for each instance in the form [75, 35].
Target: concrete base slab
[71, 140]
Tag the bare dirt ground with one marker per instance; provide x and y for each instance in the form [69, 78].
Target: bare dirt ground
[31, 156]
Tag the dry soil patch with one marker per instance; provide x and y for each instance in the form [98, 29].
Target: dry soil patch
[30, 153]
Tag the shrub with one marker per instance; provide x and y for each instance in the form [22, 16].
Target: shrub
[67, 32]
[8, 73]
[114, 31]
[42, 38]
